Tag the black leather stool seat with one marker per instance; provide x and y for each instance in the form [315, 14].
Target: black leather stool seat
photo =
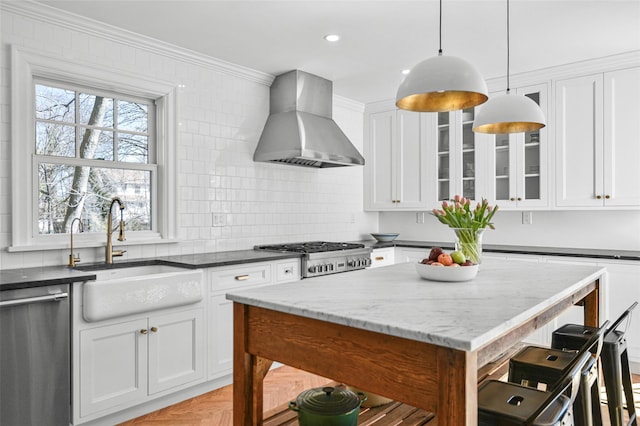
[534, 364]
[509, 404]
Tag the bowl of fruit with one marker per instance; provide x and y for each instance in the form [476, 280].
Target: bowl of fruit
[441, 266]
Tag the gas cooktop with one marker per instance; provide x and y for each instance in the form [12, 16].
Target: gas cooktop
[311, 247]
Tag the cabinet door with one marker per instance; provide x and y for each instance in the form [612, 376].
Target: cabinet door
[113, 367]
[220, 336]
[622, 138]
[176, 349]
[381, 161]
[411, 155]
[519, 172]
[579, 141]
[445, 125]
[458, 156]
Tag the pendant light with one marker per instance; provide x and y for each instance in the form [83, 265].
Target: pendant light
[509, 113]
[441, 83]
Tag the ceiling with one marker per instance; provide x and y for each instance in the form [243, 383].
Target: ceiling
[379, 38]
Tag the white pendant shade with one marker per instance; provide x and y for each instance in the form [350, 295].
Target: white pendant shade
[509, 114]
[441, 83]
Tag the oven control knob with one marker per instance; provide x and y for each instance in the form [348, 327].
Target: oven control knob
[312, 269]
[331, 266]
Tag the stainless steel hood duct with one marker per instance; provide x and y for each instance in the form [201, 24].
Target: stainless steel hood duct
[300, 130]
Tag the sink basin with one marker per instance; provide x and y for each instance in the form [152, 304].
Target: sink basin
[118, 292]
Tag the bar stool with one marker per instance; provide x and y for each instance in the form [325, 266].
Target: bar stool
[533, 365]
[510, 404]
[615, 364]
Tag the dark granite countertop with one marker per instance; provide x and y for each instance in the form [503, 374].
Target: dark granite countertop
[30, 277]
[11, 279]
[14, 279]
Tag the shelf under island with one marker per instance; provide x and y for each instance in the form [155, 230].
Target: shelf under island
[392, 333]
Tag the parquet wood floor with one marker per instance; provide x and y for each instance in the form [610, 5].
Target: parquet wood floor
[281, 386]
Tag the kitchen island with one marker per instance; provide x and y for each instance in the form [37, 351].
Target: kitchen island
[390, 332]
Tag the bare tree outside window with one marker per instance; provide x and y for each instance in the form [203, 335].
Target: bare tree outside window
[87, 148]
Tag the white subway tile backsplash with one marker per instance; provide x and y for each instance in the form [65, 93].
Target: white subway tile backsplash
[225, 200]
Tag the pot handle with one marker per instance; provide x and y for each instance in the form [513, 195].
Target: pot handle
[293, 406]
[362, 396]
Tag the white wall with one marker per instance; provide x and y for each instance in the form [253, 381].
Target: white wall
[575, 229]
[222, 111]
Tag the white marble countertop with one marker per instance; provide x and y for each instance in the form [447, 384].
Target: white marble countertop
[395, 300]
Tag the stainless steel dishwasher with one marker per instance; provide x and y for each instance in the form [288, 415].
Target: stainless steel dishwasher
[35, 380]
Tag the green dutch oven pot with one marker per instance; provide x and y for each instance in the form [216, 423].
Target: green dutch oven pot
[328, 406]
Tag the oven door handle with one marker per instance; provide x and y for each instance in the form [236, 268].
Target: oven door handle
[38, 299]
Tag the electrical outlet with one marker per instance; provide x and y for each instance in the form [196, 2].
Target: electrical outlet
[219, 219]
[527, 218]
[420, 217]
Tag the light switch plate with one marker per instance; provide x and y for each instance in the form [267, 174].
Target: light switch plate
[527, 218]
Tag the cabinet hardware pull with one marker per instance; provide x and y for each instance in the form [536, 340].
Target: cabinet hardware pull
[154, 329]
[598, 197]
[519, 199]
[379, 257]
[242, 277]
[512, 199]
[607, 196]
[144, 331]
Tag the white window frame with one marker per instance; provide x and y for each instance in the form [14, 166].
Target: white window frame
[27, 65]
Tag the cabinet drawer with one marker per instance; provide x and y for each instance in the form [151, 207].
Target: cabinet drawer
[287, 271]
[382, 257]
[240, 276]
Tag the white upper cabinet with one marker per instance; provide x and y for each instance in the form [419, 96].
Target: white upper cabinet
[518, 169]
[396, 161]
[597, 134]
[459, 158]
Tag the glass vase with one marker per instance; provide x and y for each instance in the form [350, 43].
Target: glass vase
[469, 242]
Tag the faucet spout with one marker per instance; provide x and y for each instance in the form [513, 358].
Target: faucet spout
[109, 252]
[74, 259]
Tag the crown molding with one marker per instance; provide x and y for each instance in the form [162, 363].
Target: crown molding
[44, 13]
[347, 103]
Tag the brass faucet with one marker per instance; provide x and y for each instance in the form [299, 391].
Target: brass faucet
[73, 259]
[109, 251]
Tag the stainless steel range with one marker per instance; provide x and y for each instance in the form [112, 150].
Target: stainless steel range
[323, 258]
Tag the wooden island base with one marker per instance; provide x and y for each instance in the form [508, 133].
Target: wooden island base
[396, 413]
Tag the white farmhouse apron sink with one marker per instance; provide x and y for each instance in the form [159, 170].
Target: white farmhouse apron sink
[131, 290]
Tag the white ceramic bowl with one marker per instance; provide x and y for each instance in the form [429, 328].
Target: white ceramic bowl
[446, 273]
[385, 237]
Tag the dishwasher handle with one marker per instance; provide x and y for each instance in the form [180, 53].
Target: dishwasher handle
[38, 299]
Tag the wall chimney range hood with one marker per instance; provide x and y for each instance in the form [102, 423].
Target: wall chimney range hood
[300, 130]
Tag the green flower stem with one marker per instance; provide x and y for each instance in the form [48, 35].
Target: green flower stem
[469, 243]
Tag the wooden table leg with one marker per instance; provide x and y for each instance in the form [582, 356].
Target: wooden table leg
[458, 388]
[592, 307]
[248, 374]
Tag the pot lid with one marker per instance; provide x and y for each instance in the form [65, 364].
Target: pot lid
[328, 401]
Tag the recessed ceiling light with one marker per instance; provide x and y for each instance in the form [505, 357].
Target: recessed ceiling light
[332, 37]
[405, 72]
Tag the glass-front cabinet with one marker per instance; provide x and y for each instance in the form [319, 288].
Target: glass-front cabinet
[519, 178]
[458, 155]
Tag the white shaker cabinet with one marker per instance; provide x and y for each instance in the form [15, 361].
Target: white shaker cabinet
[123, 364]
[396, 161]
[518, 169]
[597, 133]
[237, 277]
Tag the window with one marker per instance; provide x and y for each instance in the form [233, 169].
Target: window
[81, 136]
[90, 147]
